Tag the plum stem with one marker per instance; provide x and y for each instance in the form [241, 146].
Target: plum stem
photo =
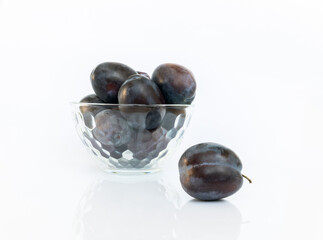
[247, 178]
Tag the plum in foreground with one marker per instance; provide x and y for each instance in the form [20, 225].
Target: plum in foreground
[209, 171]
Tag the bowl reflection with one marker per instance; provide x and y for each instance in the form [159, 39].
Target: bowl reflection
[148, 207]
[126, 207]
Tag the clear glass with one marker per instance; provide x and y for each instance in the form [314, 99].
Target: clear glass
[129, 138]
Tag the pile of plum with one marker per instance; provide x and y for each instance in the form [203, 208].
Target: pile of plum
[117, 83]
[135, 116]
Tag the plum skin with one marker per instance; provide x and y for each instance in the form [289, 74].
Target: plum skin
[153, 120]
[107, 79]
[209, 171]
[92, 98]
[147, 145]
[111, 128]
[176, 83]
[89, 111]
[139, 89]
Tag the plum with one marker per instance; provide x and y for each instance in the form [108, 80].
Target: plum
[153, 120]
[209, 171]
[92, 98]
[139, 89]
[111, 128]
[176, 83]
[107, 78]
[146, 145]
[89, 111]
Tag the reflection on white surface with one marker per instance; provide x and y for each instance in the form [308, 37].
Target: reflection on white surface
[147, 207]
[208, 220]
[123, 207]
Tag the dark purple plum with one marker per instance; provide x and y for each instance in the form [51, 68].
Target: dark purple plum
[89, 111]
[209, 171]
[176, 83]
[146, 145]
[153, 120]
[107, 78]
[92, 98]
[111, 128]
[139, 89]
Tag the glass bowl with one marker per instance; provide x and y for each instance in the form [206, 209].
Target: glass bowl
[131, 138]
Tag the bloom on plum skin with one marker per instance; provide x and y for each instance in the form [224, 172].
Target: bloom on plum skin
[209, 171]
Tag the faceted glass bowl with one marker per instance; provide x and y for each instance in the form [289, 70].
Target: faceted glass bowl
[129, 138]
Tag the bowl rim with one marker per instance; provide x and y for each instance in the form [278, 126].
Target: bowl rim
[80, 104]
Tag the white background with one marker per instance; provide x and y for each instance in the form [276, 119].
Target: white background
[258, 66]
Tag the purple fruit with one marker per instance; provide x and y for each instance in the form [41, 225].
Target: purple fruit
[111, 128]
[107, 78]
[176, 83]
[153, 120]
[140, 90]
[92, 98]
[209, 171]
[146, 144]
[89, 111]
